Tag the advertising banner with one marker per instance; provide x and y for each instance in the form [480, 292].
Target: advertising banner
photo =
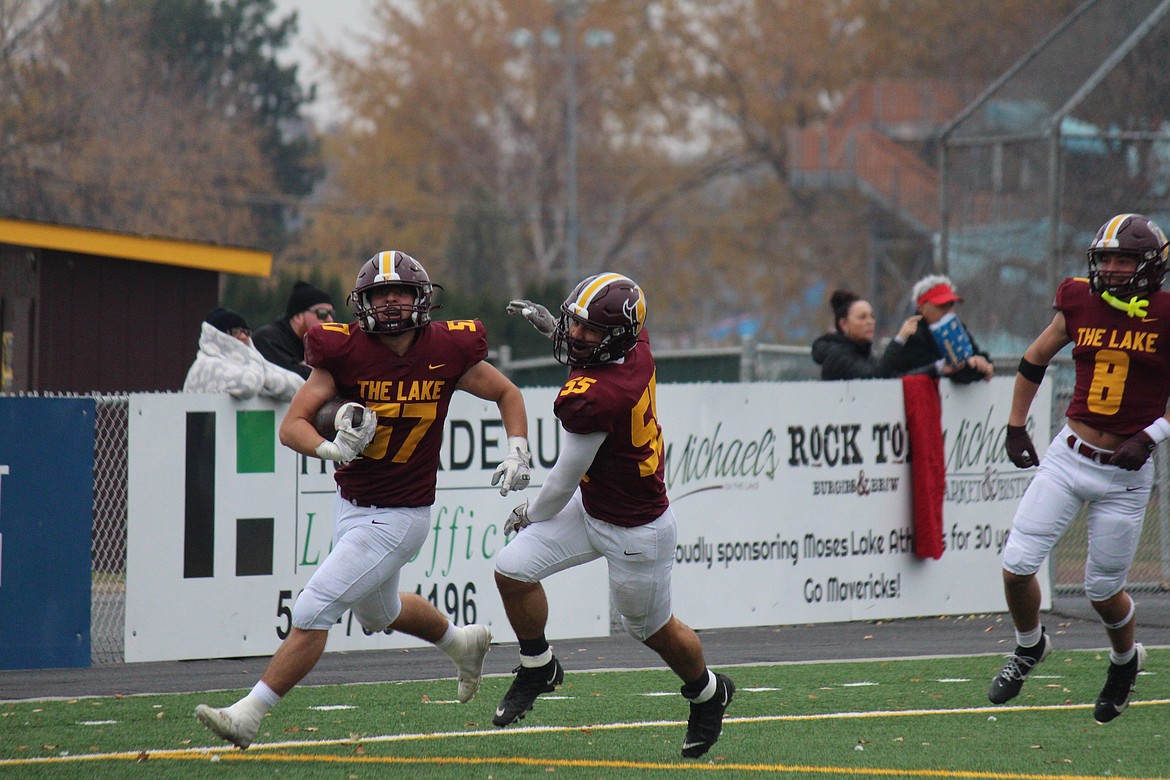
[793, 503]
[226, 526]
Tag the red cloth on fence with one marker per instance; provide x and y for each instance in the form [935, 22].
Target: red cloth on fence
[928, 476]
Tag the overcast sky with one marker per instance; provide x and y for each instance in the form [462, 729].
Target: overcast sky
[318, 21]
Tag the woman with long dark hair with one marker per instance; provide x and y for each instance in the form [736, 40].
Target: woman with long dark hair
[847, 351]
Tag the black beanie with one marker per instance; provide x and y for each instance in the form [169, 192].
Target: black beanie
[226, 319]
[303, 297]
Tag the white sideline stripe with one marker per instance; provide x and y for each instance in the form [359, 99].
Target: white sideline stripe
[560, 730]
[657, 723]
[575, 670]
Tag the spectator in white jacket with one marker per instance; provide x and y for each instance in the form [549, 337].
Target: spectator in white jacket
[227, 362]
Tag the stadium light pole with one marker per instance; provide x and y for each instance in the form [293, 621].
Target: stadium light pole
[593, 39]
[573, 10]
[570, 12]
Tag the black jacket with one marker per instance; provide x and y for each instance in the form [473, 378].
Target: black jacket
[921, 350]
[840, 357]
[279, 344]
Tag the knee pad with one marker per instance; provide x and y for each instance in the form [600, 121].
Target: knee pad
[506, 561]
[515, 565]
[1023, 554]
[312, 612]
[1101, 585]
[643, 627]
[376, 616]
[637, 628]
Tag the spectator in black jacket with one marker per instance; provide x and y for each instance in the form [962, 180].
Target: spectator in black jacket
[282, 340]
[847, 352]
[934, 296]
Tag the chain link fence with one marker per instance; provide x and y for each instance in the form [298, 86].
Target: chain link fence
[1150, 572]
[110, 477]
[1077, 131]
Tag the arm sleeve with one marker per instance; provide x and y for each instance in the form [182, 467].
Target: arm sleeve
[575, 459]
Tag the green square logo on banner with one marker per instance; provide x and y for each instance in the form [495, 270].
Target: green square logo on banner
[255, 441]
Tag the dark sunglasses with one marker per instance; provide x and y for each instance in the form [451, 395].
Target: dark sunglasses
[322, 314]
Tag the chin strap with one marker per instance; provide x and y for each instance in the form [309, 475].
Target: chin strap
[1136, 307]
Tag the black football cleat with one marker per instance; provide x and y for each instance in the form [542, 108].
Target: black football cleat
[1119, 684]
[530, 682]
[1007, 683]
[706, 721]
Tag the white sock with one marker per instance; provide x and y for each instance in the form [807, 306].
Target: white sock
[260, 699]
[449, 642]
[1122, 658]
[1031, 638]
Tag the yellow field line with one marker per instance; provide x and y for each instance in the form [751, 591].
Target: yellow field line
[580, 763]
[266, 751]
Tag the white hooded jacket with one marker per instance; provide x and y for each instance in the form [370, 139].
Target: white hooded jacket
[224, 364]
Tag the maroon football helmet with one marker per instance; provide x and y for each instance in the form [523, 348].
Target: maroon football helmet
[1138, 237]
[613, 304]
[387, 269]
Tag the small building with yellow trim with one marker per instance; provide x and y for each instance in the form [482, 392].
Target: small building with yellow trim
[85, 310]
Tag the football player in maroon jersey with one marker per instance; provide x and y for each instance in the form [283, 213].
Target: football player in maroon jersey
[1118, 321]
[605, 497]
[401, 368]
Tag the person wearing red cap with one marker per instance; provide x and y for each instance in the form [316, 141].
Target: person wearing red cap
[934, 297]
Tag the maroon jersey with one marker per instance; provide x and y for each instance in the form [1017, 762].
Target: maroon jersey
[624, 485]
[410, 394]
[1122, 362]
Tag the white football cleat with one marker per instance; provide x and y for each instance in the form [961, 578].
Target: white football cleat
[238, 728]
[474, 643]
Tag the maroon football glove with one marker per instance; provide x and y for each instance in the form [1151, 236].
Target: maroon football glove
[1133, 452]
[1020, 449]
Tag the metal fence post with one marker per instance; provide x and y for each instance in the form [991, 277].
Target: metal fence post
[1163, 516]
[747, 359]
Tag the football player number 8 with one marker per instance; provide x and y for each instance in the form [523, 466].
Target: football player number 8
[1109, 373]
[645, 430]
[418, 416]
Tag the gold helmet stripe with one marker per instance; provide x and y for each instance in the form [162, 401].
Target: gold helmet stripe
[386, 270]
[1109, 236]
[594, 287]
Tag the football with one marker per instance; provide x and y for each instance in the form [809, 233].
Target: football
[326, 420]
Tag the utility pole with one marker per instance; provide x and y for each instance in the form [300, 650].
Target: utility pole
[572, 10]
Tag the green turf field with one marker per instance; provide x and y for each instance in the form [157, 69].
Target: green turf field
[922, 718]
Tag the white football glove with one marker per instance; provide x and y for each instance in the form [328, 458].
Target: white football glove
[349, 442]
[536, 314]
[518, 520]
[513, 473]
